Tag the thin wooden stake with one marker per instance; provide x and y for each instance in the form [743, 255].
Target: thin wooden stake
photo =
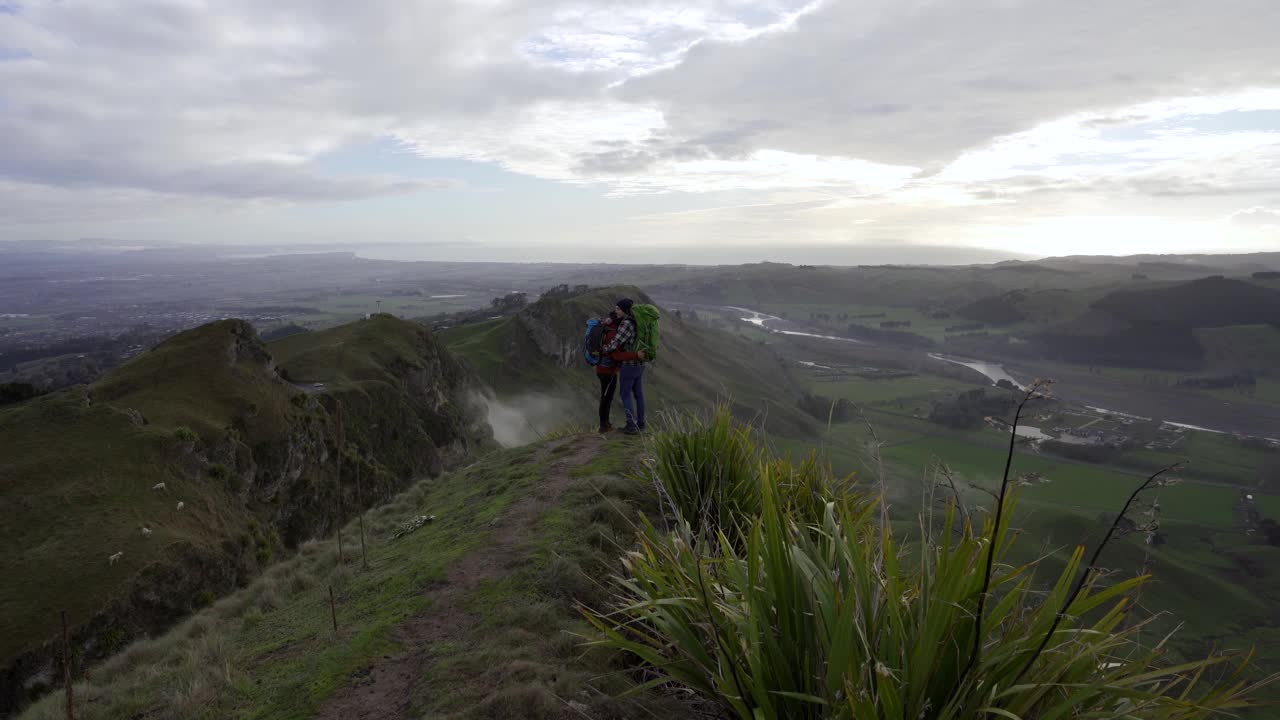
[342, 441]
[364, 555]
[333, 612]
[66, 669]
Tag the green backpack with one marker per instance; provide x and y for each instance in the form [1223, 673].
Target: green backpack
[646, 317]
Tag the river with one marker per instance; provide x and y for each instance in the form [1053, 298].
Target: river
[759, 319]
[992, 371]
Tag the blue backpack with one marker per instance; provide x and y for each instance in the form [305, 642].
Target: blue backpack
[594, 341]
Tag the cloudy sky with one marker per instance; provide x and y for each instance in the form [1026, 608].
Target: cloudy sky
[698, 130]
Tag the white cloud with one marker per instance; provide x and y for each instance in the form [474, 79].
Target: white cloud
[1257, 217]
[623, 147]
[235, 98]
[919, 82]
[1091, 145]
[835, 119]
[545, 139]
[640, 37]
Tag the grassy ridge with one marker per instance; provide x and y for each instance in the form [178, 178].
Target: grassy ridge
[203, 378]
[407, 399]
[500, 352]
[362, 351]
[79, 468]
[268, 651]
[83, 495]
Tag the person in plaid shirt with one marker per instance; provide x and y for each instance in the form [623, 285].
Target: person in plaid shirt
[631, 369]
[607, 370]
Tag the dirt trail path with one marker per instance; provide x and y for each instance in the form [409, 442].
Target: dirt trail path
[384, 690]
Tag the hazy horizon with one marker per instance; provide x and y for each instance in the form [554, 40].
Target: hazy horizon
[478, 252]
[463, 252]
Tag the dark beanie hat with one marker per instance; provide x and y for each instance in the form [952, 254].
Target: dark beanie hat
[625, 304]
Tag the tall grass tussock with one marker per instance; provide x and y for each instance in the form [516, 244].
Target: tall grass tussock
[772, 591]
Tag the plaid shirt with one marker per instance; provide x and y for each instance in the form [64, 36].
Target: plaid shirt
[623, 341]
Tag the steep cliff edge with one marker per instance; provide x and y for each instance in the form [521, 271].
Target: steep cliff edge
[248, 462]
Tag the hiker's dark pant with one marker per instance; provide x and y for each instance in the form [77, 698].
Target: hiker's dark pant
[608, 385]
[632, 381]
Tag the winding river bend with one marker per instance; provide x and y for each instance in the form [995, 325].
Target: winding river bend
[995, 373]
[992, 371]
[759, 319]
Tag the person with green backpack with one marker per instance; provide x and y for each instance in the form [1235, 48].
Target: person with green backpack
[637, 333]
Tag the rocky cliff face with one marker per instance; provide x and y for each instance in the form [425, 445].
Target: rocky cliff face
[253, 457]
[556, 325]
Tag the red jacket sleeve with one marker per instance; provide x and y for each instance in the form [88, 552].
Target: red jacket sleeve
[619, 356]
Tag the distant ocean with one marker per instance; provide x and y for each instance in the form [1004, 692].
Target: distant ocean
[704, 254]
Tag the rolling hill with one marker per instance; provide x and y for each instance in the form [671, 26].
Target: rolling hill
[1155, 326]
[1142, 312]
[195, 465]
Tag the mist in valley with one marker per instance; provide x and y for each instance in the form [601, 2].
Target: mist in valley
[525, 418]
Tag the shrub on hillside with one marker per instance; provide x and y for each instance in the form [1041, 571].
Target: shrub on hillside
[564, 291]
[16, 392]
[510, 302]
[827, 409]
[968, 409]
[707, 472]
[713, 476]
[811, 609]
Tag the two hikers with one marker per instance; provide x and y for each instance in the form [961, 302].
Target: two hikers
[621, 349]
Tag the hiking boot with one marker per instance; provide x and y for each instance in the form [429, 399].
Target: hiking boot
[631, 430]
[640, 425]
[606, 428]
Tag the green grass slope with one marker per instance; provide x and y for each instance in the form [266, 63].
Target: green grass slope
[408, 399]
[472, 615]
[540, 350]
[1237, 348]
[250, 457]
